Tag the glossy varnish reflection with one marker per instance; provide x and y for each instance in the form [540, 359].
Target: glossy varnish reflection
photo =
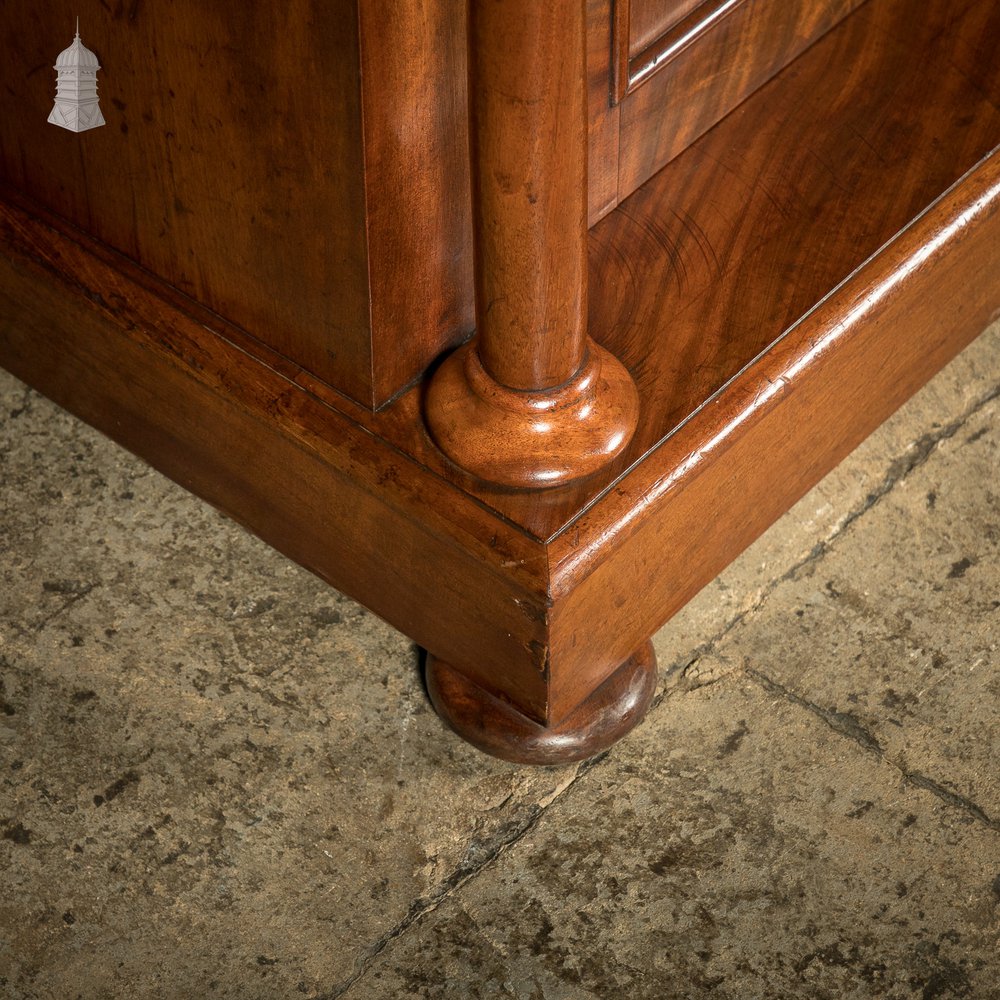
[703, 268]
[678, 67]
[271, 161]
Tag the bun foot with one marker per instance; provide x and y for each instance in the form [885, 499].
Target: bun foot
[497, 728]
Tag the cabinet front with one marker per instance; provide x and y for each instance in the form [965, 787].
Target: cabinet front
[663, 72]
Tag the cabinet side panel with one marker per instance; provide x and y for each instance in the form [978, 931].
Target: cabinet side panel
[419, 204]
[230, 164]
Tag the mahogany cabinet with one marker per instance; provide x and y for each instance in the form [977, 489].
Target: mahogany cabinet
[281, 164]
[514, 321]
[303, 170]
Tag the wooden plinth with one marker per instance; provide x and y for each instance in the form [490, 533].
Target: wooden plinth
[776, 291]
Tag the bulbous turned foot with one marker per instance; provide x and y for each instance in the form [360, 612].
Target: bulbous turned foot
[531, 439]
[497, 728]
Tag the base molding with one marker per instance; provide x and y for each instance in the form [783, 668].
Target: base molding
[531, 440]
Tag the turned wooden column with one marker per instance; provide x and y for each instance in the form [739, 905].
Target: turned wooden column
[532, 401]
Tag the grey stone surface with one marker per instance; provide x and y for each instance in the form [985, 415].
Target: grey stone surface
[734, 847]
[219, 778]
[905, 613]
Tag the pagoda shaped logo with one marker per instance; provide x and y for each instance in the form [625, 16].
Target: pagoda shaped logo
[76, 106]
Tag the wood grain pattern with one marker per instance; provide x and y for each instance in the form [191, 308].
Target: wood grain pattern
[737, 238]
[649, 20]
[686, 96]
[199, 174]
[603, 20]
[682, 84]
[75, 322]
[331, 221]
[775, 430]
[650, 34]
[418, 204]
[529, 166]
[532, 401]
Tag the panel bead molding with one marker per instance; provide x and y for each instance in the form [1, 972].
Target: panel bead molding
[532, 401]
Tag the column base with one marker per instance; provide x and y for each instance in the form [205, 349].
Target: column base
[497, 728]
[532, 439]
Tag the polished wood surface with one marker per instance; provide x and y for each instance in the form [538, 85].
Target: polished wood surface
[532, 401]
[531, 440]
[649, 20]
[737, 238]
[198, 175]
[87, 329]
[417, 196]
[755, 448]
[777, 290]
[686, 75]
[649, 32]
[336, 227]
[616, 707]
[331, 220]
[529, 170]
[604, 113]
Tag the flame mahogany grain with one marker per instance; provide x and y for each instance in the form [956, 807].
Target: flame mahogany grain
[677, 68]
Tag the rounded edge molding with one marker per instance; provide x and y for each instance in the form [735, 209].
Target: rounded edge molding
[499, 729]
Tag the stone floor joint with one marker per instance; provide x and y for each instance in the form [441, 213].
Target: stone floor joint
[847, 725]
[843, 723]
[479, 857]
[899, 469]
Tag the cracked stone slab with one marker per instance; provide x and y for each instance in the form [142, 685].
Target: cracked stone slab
[896, 630]
[734, 848]
[218, 777]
